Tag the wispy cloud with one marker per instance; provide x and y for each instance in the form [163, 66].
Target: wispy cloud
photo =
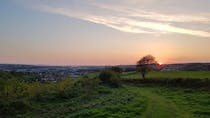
[136, 13]
[110, 21]
[128, 19]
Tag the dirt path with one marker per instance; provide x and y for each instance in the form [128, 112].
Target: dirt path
[157, 106]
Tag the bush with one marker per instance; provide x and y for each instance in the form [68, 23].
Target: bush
[85, 86]
[64, 88]
[89, 83]
[116, 69]
[110, 78]
[11, 108]
[12, 88]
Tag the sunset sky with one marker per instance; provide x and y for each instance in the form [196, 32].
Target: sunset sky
[103, 32]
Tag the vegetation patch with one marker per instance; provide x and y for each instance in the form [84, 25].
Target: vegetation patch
[176, 82]
[167, 74]
[96, 98]
[111, 78]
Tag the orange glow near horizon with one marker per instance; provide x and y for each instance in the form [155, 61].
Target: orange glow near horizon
[160, 63]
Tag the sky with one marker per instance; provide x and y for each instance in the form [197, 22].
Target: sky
[103, 32]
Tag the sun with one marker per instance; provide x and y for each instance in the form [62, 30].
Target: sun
[160, 63]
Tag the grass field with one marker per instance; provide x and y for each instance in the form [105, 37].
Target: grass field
[171, 74]
[105, 102]
[165, 102]
[87, 98]
[130, 102]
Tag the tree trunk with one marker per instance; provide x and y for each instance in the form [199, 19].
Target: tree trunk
[143, 75]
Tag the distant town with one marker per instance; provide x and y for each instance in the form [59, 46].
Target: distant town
[55, 73]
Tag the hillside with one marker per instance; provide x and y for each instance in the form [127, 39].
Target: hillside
[90, 98]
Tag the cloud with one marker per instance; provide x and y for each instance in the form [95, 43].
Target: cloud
[136, 13]
[128, 19]
[113, 22]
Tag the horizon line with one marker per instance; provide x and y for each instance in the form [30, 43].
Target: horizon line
[95, 65]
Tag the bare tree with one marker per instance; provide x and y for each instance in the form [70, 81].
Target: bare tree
[145, 64]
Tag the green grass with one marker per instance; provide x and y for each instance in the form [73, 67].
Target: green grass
[104, 102]
[120, 103]
[86, 98]
[171, 74]
[195, 102]
[92, 75]
[130, 101]
[163, 102]
[157, 105]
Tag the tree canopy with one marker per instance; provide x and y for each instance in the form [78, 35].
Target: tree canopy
[144, 65]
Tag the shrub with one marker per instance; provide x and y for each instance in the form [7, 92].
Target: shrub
[116, 69]
[11, 108]
[110, 78]
[35, 90]
[64, 88]
[12, 88]
[89, 83]
[84, 86]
